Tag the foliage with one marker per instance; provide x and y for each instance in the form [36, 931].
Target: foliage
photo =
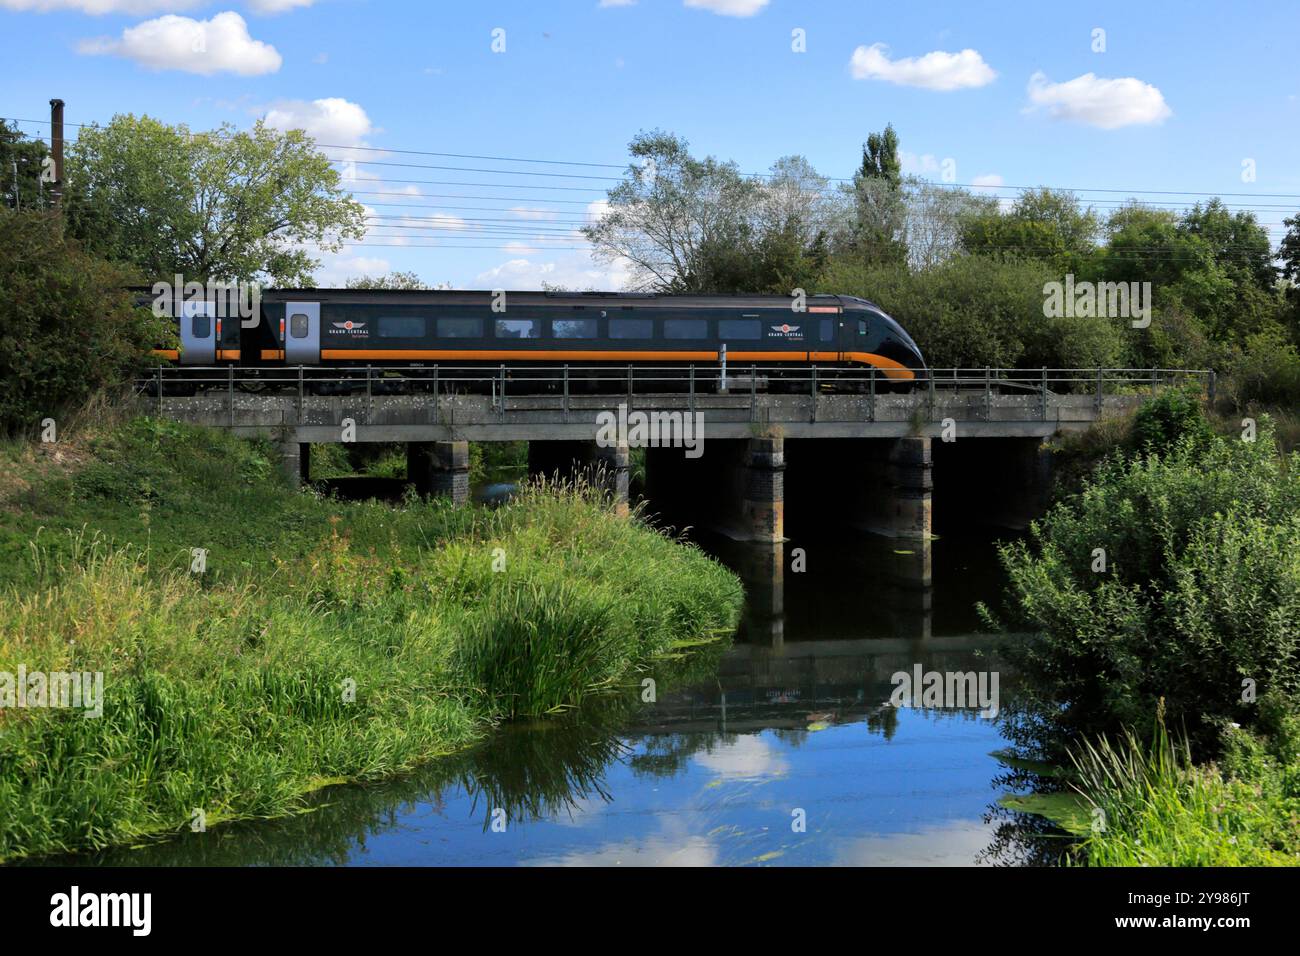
[393, 280]
[225, 205]
[29, 156]
[1167, 419]
[68, 328]
[1199, 596]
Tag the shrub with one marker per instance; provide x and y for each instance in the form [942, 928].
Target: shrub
[1200, 593]
[67, 324]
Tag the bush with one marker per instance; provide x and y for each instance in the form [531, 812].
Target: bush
[67, 324]
[1200, 593]
[1267, 372]
[1169, 418]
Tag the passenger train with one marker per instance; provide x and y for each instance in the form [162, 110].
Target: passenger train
[355, 328]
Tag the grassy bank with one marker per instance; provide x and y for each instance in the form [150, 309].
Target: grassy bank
[325, 641]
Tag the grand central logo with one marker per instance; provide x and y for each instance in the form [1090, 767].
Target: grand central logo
[350, 328]
[785, 331]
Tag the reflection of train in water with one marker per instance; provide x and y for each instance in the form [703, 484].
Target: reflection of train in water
[590, 331]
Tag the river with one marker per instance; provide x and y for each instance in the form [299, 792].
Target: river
[780, 749]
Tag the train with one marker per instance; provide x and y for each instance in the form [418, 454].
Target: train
[467, 332]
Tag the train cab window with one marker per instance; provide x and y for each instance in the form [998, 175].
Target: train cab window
[400, 327]
[731, 329]
[518, 329]
[460, 328]
[574, 328]
[298, 325]
[201, 326]
[686, 328]
[862, 328]
[631, 328]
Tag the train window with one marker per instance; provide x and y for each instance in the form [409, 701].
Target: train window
[631, 329]
[574, 328]
[460, 328]
[686, 328]
[862, 328]
[519, 329]
[400, 326]
[201, 326]
[828, 330]
[298, 325]
[729, 329]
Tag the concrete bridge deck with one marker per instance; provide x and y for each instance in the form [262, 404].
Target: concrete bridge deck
[883, 439]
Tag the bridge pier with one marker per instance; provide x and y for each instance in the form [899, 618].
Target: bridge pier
[294, 460]
[762, 507]
[439, 469]
[892, 486]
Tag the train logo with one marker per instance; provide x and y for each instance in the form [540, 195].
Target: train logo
[349, 328]
[786, 331]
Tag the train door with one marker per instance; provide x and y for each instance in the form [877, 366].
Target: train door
[302, 333]
[853, 334]
[198, 333]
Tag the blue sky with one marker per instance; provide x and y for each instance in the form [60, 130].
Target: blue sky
[1011, 94]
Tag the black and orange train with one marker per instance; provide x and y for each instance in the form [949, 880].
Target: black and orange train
[349, 330]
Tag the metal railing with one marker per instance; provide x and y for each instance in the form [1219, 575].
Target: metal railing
[700, 384]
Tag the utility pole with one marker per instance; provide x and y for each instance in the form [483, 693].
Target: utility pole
[56, 149]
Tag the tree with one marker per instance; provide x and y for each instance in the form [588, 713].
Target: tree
[879, 229]
[1043, 224]
[393, 280]
[26, 157]
[670, 212]
[700, 225]
[222, 205]
[68, 325]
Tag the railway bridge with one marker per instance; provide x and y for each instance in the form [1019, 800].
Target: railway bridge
[722, 447]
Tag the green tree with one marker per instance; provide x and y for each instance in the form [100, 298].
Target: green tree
[225, 205]
[700, 225]
[68, 325]
[880, 209]
[1043, 224]
[21, 163]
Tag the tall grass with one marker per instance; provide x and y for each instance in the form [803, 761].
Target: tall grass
[371, 639]
[1154, 807]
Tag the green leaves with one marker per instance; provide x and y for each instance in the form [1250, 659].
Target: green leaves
[224, 205]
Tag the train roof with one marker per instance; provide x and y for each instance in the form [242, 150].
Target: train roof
[477, 296]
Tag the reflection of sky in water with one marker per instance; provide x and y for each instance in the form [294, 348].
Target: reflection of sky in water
[917, 798]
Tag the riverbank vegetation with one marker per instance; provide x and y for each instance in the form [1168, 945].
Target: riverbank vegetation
[1165, 593]
[322, 640]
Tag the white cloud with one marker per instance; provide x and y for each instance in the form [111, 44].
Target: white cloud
[729, 8]
[922, 164]
[335, 270]
[616, 3]
[1097, 101]
[100, 7]
[934, 71]
[219, 45]
[272, 7]
[574, 271]
[986, 181]
[332, 120]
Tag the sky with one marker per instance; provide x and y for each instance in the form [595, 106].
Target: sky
[1163, 100]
